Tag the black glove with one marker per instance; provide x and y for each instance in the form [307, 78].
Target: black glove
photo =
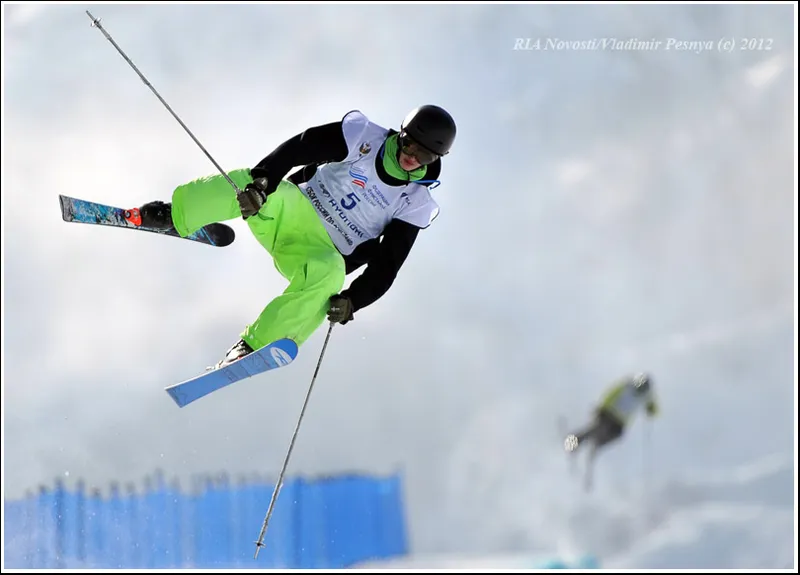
[252, 197]
[340, 310]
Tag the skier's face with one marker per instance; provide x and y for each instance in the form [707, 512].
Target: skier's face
[408, 163]
[414, 155]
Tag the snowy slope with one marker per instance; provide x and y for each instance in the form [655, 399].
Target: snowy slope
[739, 519]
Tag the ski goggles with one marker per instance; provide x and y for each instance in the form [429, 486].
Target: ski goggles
[416, 150]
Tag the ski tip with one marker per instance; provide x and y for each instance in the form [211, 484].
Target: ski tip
[222, 235]
[289, 350]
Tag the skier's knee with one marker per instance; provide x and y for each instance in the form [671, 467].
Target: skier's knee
[326, 274]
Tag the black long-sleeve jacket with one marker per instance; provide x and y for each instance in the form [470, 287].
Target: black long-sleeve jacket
[384, 256]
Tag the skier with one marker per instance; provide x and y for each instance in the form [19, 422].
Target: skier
[614, 413]
[361, 196]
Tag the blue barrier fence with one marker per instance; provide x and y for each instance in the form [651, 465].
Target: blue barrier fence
[321, 523]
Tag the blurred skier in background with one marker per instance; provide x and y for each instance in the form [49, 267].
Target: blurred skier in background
[613, 414]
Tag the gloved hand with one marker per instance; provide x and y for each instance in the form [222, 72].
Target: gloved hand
[340, 309]
[652, 409]
[252, 197]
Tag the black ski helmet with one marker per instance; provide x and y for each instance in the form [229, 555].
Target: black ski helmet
[431, 127]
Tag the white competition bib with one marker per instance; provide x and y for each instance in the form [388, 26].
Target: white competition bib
[627, 402]
[354, 205]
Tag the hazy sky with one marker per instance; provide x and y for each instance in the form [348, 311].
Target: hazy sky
[603, 211]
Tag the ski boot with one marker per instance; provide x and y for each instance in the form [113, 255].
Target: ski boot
[155, 215]
[237, 352]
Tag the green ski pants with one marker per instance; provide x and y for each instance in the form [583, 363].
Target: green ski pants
[288, 227]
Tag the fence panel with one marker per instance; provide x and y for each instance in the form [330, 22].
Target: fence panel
[318, 523]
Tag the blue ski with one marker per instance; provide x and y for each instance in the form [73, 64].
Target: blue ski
[85, 212]
[272, 356]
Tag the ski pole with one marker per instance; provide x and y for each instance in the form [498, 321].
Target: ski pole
[279, 484]
[96, 24]
[645, 456]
